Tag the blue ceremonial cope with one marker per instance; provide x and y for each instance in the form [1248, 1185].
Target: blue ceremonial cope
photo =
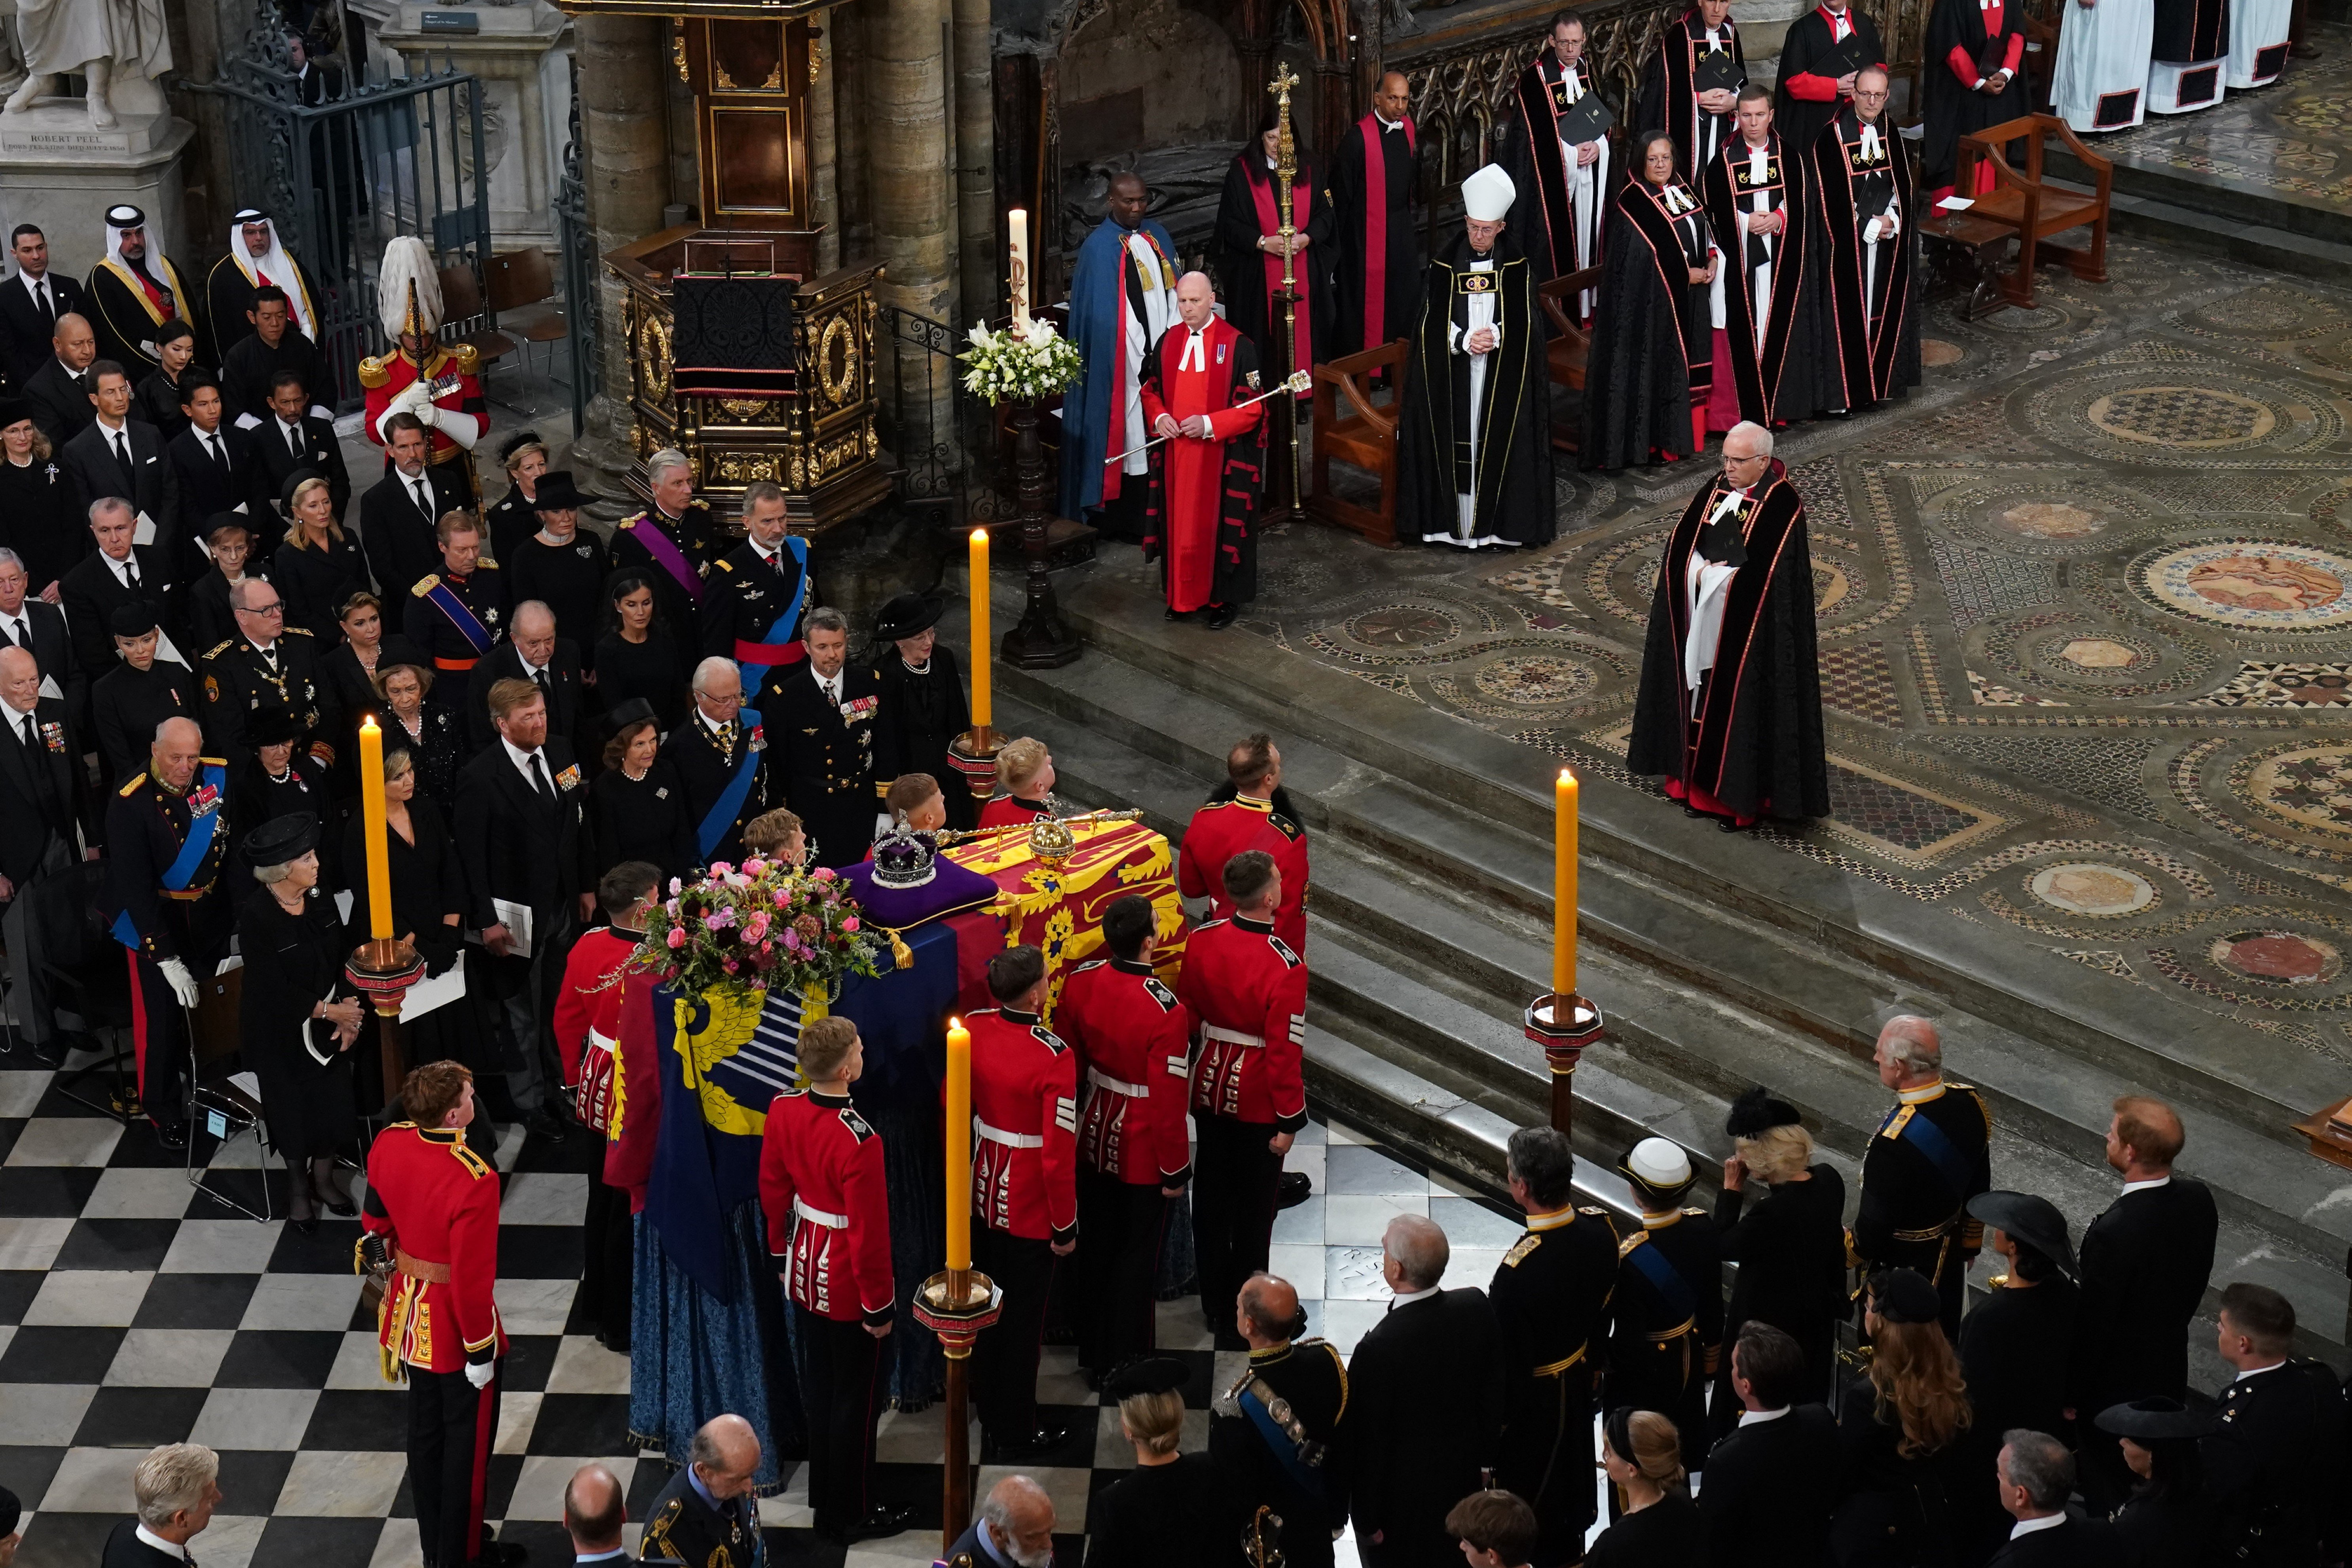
[468, 626]
[754, 674]
[1285, 1452]
[1680, 1299]
[1098, 327]
[1928, 1139]
[724, 810]
[203, 827]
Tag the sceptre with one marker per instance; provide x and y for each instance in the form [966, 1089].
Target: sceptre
[1285, 174]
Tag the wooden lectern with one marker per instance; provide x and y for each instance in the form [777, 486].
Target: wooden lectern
[750, 67]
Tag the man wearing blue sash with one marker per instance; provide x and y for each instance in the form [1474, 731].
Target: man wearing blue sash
[458, 614]
[1669, 1300]
[165, 841]
[721, 757]
[1931, 1155]
[1271, 1432]
[751, 604]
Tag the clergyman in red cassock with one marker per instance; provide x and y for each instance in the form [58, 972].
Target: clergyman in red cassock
[1201, 505]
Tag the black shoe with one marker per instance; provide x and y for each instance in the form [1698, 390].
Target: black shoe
[346, 1209]
[545, 1123]
[1728, 826]
[1175, 614]
[304, 1226]
[171, 1135]
[882, 1521]
[1297, 1187]
[1220, 617]
[500, 1555]
[1021, 1448]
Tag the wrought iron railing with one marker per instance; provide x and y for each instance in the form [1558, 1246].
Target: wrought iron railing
[577, 239]
[947, 445]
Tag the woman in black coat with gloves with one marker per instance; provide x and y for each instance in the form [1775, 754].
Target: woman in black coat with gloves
[428, 903]
[1790, 1247]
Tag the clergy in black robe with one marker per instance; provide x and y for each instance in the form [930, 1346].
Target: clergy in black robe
[1770, 361]
[1201, 494]
[923, 702]
[1249, 253]
[1563, 183]
[1652, 357]
[1969, 81]
[1731, 704]
[1698, 117]
[1476, 468]
[1819, 57]
[1870, 259]
[1369, 188]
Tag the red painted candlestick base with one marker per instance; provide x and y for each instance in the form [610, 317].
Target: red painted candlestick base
[1564, 1027]
[956, 1304]
[973, 754]
[386, 969]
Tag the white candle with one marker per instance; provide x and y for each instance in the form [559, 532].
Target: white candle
[1018, 220]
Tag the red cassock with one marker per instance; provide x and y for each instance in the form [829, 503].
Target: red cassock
[821, 1186]
[436, 1202]
[1222, 829]
[1249, 991]
[1134, 1038]
[1025, 1107]
[588, 1021]
[1197, 374]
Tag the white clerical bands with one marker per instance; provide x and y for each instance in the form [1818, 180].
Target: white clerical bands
[819, 1217]
[1195, 357]
[1231, 1036]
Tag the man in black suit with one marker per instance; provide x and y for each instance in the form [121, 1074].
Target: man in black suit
[2272, 1461]
[1425, 1404]
[823, 732]
[176, 1488]
[522, 832]
[30, 304]
[289, 438]
[212, 462]
[118, 455]
[42, 811]
[116, 573]
[715, 751]
[531, 652]
[2036, 1474]
[2144, 1266]
[1772, 1481]
[59, 390]
[39, 628]
[251, 367]
[399, 515]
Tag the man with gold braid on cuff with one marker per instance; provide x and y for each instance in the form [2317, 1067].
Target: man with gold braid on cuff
[1931, 1155]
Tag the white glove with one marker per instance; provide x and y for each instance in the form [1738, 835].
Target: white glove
[479, 1372]
[459, 427]
[427, 411]
[411, 398]
[183, 985]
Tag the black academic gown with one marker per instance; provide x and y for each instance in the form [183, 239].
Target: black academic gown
[1512, 478]
[1751, 737]
[1653, 355]
[1241, 266]
[1874, 311]
[1669, 96]
[1344, 194]
[291, 963]
[1800, 120]
[1953, 110]
[1788, 376]
[922, 712]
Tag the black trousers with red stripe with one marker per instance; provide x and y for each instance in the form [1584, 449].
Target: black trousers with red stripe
[451, 1428]
[1118, 1261]
[841, 1391]
[159, 1040]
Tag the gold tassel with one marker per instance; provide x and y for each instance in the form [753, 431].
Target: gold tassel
[901, 955]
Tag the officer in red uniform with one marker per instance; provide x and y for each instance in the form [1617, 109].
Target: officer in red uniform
[1248, 816]
[432, 1217]
[442, 388]
[821, 1186]
[1024, 1113]
[1248, 988]
[1133, 1040]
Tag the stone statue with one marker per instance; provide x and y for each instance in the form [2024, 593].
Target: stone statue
[105, 40]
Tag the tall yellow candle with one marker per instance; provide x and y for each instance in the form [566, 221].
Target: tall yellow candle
[1563, 886]
[959, 1118]
[980, 648]
[379, 858]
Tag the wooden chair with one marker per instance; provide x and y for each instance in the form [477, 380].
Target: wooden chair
[523, 280]
[461, 301]
[2033, 208]
[1570, 344]
[1365, 437]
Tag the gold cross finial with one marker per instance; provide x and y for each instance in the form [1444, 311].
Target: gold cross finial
[1284, 79]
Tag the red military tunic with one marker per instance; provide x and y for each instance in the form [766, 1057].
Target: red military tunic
[1189, 384]
[588, 1020]
[435, 1202]
[1024, 1109]
[1006, 810]
[456, 377]
[1133, 1037]
[821, 1186]
[1222, 829]
[1249, 990]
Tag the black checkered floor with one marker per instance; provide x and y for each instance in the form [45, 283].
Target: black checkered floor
[135, 1310]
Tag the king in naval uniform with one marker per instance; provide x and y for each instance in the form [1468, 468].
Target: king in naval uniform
[1931, 1155]
[441, 386]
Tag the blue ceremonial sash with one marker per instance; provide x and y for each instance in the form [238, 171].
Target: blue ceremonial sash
[440, 597]
[202, 829]
[754, 674]
[1928, 1139]
[1285, 1452]
[1682, 1301]
[731, 799]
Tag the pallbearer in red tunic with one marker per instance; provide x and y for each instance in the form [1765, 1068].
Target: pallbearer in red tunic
[1205, 474]
[1865, 212]
[1731, 704]
[1252, 815]
[1770, 362]
[1134, 1042]
[828, 1211]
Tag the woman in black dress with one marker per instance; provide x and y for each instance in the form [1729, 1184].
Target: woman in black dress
[428, 900]
[1916, 1490]
[349, 671]
[511, 520]
[1660, 1526]
[561, 566]
[231, 540]
[1653, 356]
[318, 567]
[2167, 1522]
[1790, 1247]
[637, 657]
[1169, 1511]
[923, 702]
[429, 734]
[36, 510]
[2016, 1342]
[639, 802]
[298, 1016]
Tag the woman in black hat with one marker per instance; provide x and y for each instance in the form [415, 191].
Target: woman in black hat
[2014, 1345]
[36, 510]
[561, 566]
[428, 731]
[2167, 1522]
[924, 705]
[1918, 1473]
[281, 778]
[637, 657]
[638, 800]
[428, 903]
[299, 1018]
[1790, 1247]
[318, 567]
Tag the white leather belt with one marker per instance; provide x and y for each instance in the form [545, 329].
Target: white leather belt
[1102, 1079]
[1231, 1036]
[605, 1043]
[1010, 1139]
[818, 1216]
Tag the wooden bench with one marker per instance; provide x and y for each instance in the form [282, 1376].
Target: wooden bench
[2033, 208]
[1365, 436]
[1571, 347]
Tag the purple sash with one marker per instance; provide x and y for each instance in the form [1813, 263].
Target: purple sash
[668, 556]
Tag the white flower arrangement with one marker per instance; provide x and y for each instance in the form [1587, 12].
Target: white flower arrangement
[1020, 363]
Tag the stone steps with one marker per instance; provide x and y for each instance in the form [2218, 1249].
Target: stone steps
[2259, 233]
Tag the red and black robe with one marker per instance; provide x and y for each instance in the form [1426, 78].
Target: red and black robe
[1669, 99]
[1874, 311]
[1783, 380]
[1248, 212]
[1370, 186]
[1749, 742]
[1200, 501]
[1968, 41]
[1652, 357]
[1544, 217]
[1803, 102]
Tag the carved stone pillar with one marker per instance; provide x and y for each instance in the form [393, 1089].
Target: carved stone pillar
[622, 120]
[823, 142]
[980, 251]
[910, 187]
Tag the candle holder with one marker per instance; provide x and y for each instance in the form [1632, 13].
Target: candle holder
[386, 969]
[956, 1304]
[973, 754]
[1564, 1027]
[1042, 639]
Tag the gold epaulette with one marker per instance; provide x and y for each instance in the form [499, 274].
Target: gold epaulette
[724, 564]
[372, 373]
[132, 786]
[221, 648]
[214, 762]
[295, 631]
[425, 585]
[469, 359]
[484, 564]
[1701, 1213]
[475, 1165]
[631, 522]
[1630, 1243]
[1595, 1210]
[1521, 1248]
